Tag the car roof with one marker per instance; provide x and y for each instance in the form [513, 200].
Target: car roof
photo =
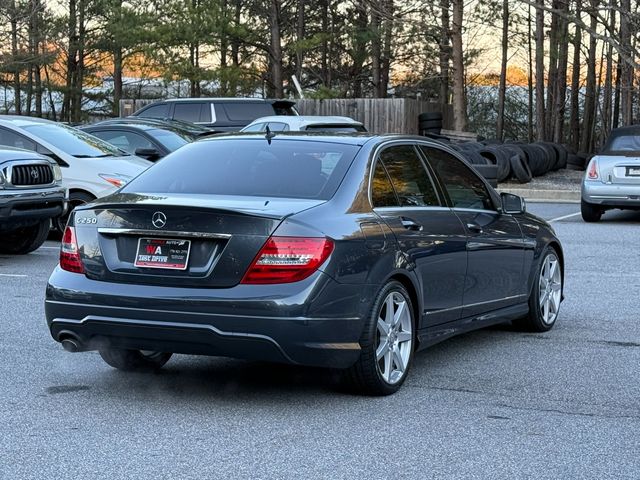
[303, 120]
[23, 121]
[12, 153]
[125, 125]
[347, 138]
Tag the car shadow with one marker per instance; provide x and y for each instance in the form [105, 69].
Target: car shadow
[621, 216]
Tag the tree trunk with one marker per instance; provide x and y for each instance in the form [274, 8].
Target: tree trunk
[626, 68]
[117, 79]
[385, 67]
[457, 60]
[530, 79]
[502, 89]
[445, 51]
[14, 53]
[540, 109]
[574, 115]
[300, 33]
[376, 48]
[588, 116]
[275, 49]
[560, 94]
[608, 77]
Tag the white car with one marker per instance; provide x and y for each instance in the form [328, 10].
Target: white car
[304, 123]
[91, 168]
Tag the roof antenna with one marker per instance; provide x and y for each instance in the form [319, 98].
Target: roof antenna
[269, 134]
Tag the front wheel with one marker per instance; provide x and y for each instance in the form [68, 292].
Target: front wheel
[546, 295]
[134, 360]
[26, 239]
[387, 344]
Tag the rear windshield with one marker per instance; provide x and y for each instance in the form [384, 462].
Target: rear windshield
[622, 143]
[250, 167]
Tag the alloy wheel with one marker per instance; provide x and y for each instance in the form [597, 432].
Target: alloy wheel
[550, 288]
[394, 338]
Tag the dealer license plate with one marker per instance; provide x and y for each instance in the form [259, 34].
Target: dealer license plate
[163, 253]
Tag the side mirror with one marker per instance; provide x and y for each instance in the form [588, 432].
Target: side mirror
[148, 153]
[512, 203]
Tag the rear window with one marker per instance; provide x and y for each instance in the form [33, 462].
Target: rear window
[250, 167]
[622, 143]
[187, 112]
[248, 111]
[155, 111]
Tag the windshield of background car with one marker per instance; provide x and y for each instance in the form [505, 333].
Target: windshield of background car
[250, 167]
[622, 143]
[169, 140]
[73, 141]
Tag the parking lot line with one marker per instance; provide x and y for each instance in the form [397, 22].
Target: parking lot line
[12, 275]
[564, 217]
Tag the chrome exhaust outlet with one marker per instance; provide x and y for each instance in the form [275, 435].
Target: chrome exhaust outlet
[70, 345]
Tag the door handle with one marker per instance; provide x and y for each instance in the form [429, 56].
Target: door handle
[474, 227]
[410, 224]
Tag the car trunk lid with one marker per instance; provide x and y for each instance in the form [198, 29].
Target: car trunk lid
[619, 169]
[220, 235]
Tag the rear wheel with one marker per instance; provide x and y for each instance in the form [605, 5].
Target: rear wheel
[590, 213]
[544, 301]
[134, 360]
[387, 344]
[26, 239]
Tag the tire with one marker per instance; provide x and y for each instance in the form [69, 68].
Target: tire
[134, 360]
[430, 116]
[75, 200]
[574, 162]
[367, 376]
[542, 314]
[499, 157]
[489, 172]
[590, 213]
[25, 239]
[431, 124]
[520, 169]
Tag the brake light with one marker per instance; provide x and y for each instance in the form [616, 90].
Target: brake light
[69, 253]
[288, 259]
[592, 171]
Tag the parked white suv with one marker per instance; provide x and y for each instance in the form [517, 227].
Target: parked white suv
[91, 167]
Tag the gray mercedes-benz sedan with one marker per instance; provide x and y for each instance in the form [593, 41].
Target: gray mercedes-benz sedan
[612, 178]
[342, 251]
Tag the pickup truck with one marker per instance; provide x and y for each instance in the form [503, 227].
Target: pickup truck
[31, 194]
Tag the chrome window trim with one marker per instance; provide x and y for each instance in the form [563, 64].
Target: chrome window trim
[161, 233]
[479, 210]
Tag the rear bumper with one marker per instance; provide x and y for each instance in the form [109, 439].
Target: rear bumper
[598, 193]
[316, 322]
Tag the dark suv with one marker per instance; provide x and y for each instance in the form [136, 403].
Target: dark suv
[219, 114]
[31, 194]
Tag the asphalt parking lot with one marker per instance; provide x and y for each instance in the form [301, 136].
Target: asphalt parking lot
[491, 404]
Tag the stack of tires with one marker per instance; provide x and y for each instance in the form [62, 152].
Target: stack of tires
[430, 123]
[516, 160]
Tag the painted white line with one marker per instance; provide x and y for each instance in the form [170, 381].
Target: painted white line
[51, 248]
[564, 217]
[12, 275]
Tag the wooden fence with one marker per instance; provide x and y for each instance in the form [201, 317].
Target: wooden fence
[379, 115]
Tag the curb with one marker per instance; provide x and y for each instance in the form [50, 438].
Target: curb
[542, 195]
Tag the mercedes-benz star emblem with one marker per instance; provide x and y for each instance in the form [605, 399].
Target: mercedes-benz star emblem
[159, 219]
[34, 174]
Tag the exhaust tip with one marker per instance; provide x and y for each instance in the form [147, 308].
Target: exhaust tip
[70, 345]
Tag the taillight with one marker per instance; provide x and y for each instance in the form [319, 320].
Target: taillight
[69, 254]
[288, 259]
[592, 171]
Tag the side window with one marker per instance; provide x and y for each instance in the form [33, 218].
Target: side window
[465, 188]
[382, 194]
[409, 177]
[189, 112]
[12, 139]
[156, 111]
[126, 141]
[278, 127]
[258, 127]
